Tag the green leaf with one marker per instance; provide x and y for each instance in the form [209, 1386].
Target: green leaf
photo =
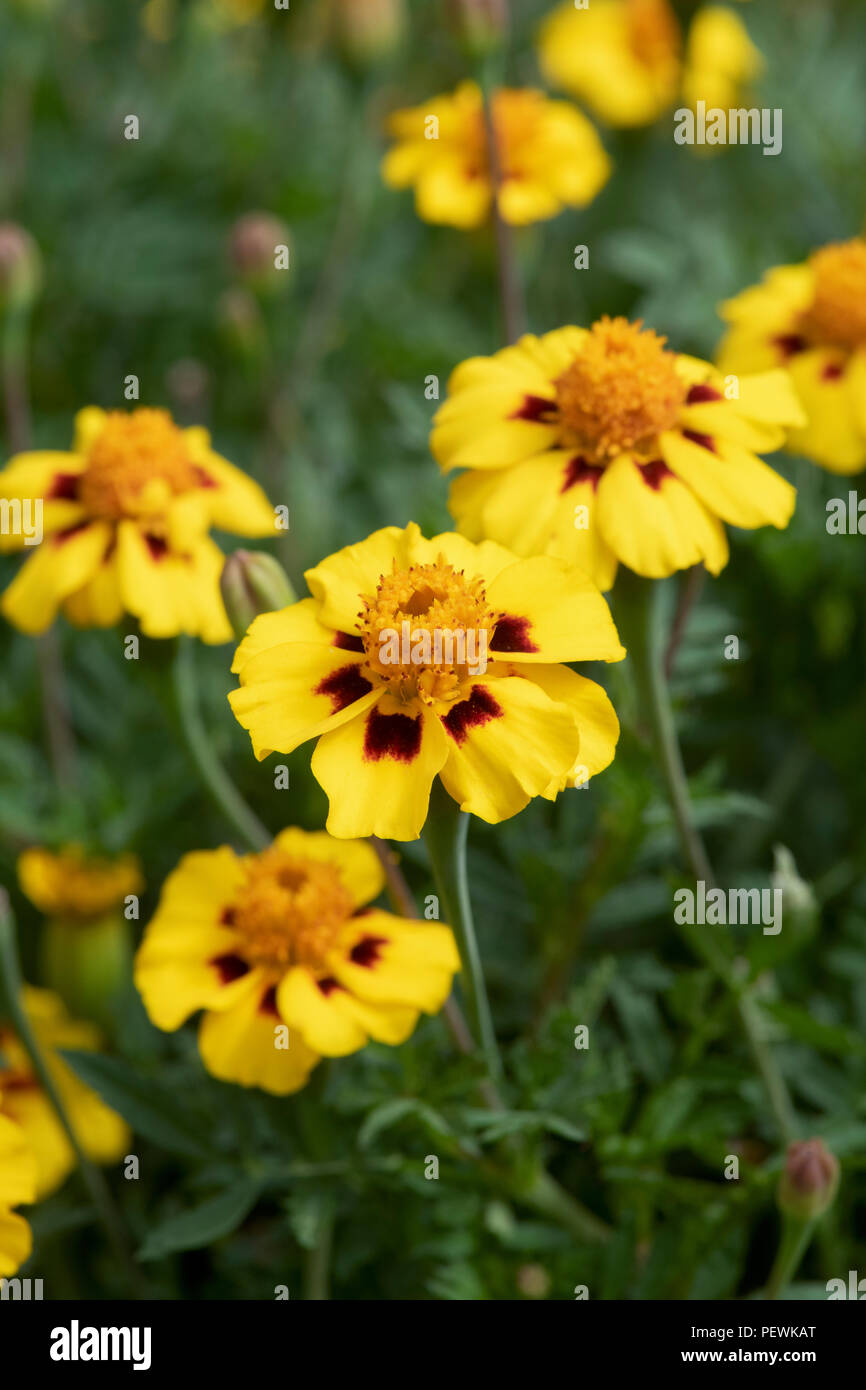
[202, 1225]
[800, 1024]
[146, 1107]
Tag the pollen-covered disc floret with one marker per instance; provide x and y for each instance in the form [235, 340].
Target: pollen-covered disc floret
[838, 311]
[430, 599]
[289, 911]
[136, 464]
[620, 392]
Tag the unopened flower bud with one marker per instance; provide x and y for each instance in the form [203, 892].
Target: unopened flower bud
[240, 320]
[481, 25]
[20, 266]
[88, 964]
[809, 1179]
[259, 251]
[798, 899]
[370, 31]
[252, 583]
[533, 1281]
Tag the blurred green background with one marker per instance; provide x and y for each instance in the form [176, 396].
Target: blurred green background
[317, 389]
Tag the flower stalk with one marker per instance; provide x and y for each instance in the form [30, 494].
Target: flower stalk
[445, 835]
[640, 621]
[213, 774]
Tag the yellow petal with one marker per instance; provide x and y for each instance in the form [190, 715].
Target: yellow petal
[551, 612]
[297, 691]
[508, 741]
[730, 481]
[377, 772]
[61, 565]
[656, 530]
[356, 861]
[240, 1044]
[340, 581]
[596, 717]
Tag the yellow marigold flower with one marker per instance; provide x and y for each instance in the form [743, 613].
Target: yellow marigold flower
[69, 885]
[124, 526]
[550, 157]
[17, 1185]
[626, 58]
[359, 667]
[284, 940]
[812, 318]
[720, 59]
[102, 1134]
[602, 446]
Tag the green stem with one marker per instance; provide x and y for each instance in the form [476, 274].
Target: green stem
[549, 1199]
[639, 617]
[796, 1235]
[510, 288]
[11, 994]
[213, 774]
[445, 835]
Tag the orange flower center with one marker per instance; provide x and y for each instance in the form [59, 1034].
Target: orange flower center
[653, 30]
[516, 115]
[290, 910]
[426, 630]
[136, 465]
[619, 393]
[838, 311]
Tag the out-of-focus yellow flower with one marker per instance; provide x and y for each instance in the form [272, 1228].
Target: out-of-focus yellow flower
[627, 59]
[103, 1135]
[17, 1185]
[812, 318]
[550, 157]
[491, 712]
[284, 940]
[720, 59]
[69, 885]
[123, 524]
[601, 446]
[86, 949]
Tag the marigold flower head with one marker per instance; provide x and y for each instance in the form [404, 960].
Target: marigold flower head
[285, 940]
[421, 658]
[76, 887]
[123, 526]
[603, 445]
[549, 157]
[102, 1134]
[811, 318]
[628, 59]
[17, 1186]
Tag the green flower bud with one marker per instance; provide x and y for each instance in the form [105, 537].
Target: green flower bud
[88, 963]
[809, 1180]
[370, 31]
[259, 251]
[481, 25]
[253, 583]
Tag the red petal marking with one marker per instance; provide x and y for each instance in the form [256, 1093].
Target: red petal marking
[577, 470]
[653, 472]
[789, 344]
[268, 1004]
[705, 441]
[535, 408]
[367, 951]
[702, 392]
[227, 917]
[63, 536]
[833, 371]
[203, 478]
[348, 641]
[230, 968]
[512, 635]
[64, 487]
[478, 710]
[343, 687]
[394, 736]
[328, 985]
[157, 546]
